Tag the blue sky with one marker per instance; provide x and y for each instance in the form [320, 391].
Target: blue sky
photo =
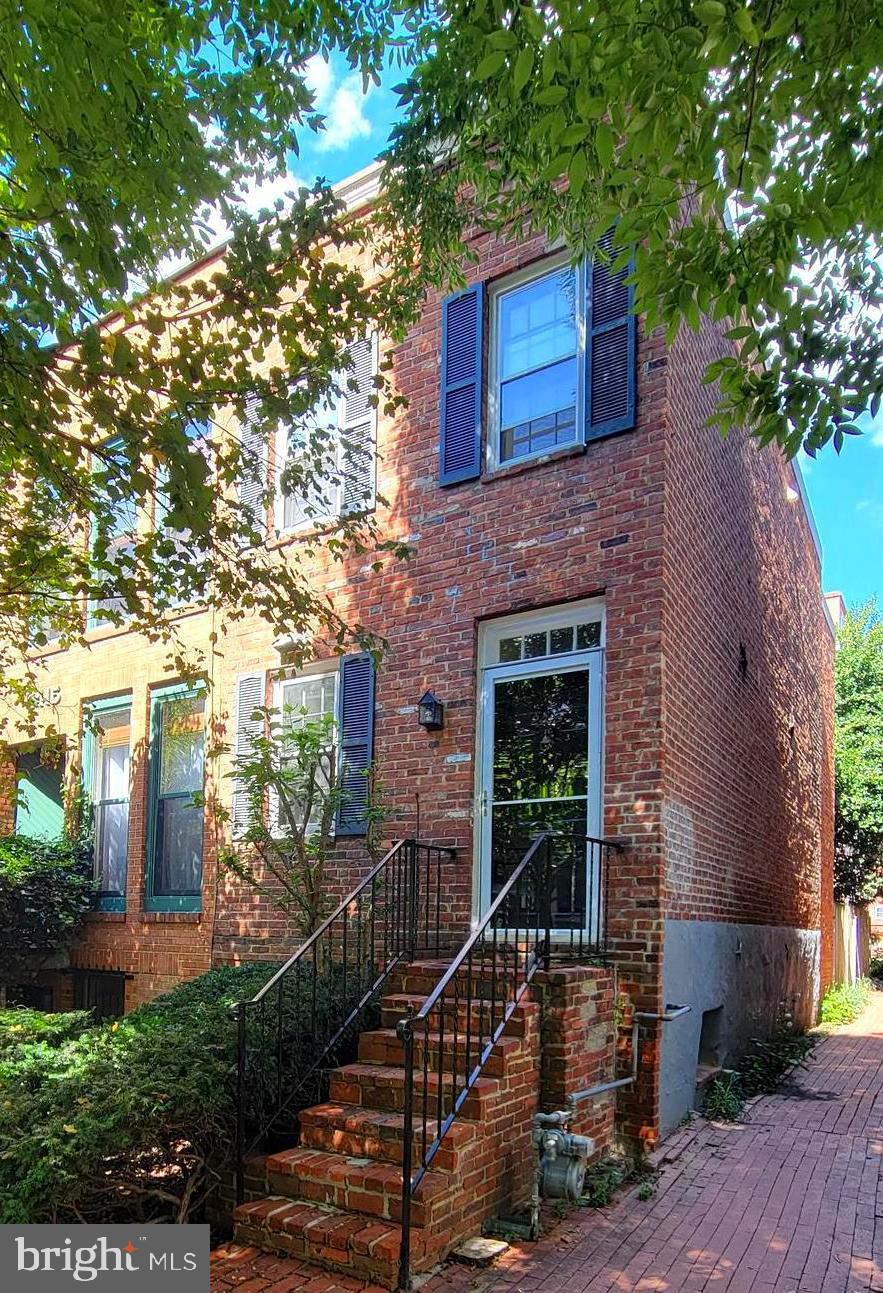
[846, 494]
[846, 491]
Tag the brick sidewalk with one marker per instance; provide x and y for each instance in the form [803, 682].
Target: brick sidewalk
[789, 1202]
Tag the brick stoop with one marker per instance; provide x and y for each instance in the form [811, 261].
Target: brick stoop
[335, 1200]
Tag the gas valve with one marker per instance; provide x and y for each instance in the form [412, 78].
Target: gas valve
[562, 1156]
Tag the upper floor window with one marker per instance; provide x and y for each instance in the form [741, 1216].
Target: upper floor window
[177, 590]
[335, 471]
[175, 810]
[536, 342]
[561, 364]
[114, 536]
[106, 768]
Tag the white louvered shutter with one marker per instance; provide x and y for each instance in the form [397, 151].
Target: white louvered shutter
[253, 480]
[358, 431]
[249, 697]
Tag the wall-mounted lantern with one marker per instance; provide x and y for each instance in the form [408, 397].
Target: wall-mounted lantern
[430, 712]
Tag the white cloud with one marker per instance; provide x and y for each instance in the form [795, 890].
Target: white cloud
[345, 119]
[340, 100]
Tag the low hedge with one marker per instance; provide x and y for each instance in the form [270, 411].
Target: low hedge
[129, 1120]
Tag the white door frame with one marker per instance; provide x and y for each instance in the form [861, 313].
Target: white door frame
[590, 661]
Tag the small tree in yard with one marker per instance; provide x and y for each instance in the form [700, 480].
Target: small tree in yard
[858, 745]
[293, 789]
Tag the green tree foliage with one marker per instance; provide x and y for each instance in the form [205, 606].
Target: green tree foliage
[291, 781]
[858, 751]
[120, 444]
[736, 144]
[132, 1119]
[45, 890]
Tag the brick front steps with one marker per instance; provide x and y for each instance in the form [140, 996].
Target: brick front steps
[335, 1200]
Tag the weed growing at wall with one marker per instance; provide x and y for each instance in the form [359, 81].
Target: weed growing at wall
[845, 1002]
[759, 1071]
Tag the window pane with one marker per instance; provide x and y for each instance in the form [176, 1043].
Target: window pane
[547, 391]
[306, 699]
[510, 649]
[588, 635]
[111, 846]
[538, 323]
[177, 868]
[541, 737]
[535, 645]
[562, 640]
[181, 736]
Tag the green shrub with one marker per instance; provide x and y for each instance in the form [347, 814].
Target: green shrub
[845, 1002]
[45, 890]
[133, 1120]
[875, 968]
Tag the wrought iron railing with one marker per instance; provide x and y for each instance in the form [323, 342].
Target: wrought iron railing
[290, 1032]
[551, 907]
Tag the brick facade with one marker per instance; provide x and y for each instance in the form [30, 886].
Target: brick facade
[694, 549]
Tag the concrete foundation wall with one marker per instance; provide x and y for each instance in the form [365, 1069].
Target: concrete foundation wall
[750, 973]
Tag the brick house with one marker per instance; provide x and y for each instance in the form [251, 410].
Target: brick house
[594, 572]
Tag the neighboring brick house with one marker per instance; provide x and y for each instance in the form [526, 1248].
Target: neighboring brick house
[601, 544]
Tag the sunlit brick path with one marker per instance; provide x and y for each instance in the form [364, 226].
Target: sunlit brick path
[791, 1202]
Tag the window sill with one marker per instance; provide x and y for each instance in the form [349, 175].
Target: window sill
[106, 917]
[170, 917]
[528, 464]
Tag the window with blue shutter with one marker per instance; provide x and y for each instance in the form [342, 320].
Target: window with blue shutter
[461, 357]
[610, 349]
[561, 358]
[356, 740]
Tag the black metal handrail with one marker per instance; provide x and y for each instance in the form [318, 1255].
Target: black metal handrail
[552, 906]
[289, 1032]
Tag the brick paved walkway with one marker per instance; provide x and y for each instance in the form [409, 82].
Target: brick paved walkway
[789, 1202]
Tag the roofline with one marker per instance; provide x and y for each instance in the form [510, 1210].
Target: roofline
[356, 191]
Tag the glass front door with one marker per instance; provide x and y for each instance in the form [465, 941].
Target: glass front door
[540, 770]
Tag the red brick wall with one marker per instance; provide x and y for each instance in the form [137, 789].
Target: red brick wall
[747, 752]
[692, 547]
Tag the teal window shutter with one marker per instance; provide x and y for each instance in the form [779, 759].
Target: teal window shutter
[610, 348]
[461, 361]
[355, 741]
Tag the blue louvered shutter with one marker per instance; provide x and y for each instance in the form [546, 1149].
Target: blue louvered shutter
[610, 349]
[460, 450]
[356, 740]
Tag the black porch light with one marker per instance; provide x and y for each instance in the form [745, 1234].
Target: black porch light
[430, 712]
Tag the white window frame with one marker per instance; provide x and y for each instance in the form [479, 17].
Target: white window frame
[492, 632]
[319, 670]
[496, 293]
